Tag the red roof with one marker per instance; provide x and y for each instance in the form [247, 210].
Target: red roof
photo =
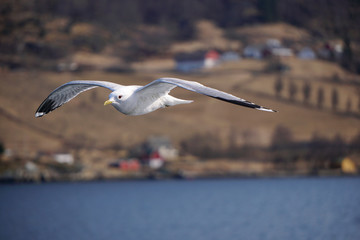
[212, 54]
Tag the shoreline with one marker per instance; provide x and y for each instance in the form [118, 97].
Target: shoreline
[159, 176]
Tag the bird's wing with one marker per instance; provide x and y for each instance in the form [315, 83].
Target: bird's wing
[68, 91]
[164, 85]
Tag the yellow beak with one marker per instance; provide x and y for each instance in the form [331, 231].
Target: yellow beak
[108, 102]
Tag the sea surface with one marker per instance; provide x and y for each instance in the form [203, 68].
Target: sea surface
[296, 209]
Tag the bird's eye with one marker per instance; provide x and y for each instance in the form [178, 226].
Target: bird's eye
[119, 97]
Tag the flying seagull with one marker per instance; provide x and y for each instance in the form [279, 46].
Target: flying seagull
[138, 100]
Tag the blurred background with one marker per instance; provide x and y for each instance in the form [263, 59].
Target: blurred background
[299, 57]
[289, 175]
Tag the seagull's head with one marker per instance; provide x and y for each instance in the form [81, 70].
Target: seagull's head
[117, 97]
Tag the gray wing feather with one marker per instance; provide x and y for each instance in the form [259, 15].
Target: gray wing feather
[68, 91]
[166, 84]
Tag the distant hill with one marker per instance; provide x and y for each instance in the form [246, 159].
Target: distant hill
[85, 122]
[49, 34]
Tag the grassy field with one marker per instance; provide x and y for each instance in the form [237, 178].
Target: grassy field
[85, 121]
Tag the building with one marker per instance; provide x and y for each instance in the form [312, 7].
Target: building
[306, 53]
[157, 150]
[282, 52]
[64, 158]
[131, 164]
[230, 56]
[273, 43]
[188, 62]
[253, 51]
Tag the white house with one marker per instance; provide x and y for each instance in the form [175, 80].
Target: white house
[253, 51]
[306, 53]
[230, 56]
[188, 62]
[273, 43]
[64, 158]
[282, 52]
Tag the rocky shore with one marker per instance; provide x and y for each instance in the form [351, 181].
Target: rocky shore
[220, 168]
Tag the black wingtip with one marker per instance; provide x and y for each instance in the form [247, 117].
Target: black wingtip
[245, 104]
[45, 107]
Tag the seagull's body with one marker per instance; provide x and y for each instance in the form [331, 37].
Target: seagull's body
[137, 100]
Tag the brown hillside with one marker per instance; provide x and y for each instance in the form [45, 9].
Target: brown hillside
[87, 122]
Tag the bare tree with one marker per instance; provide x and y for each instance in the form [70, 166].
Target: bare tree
[355, 143]
[306, 92]
[282, 136]
[279, 85]
[293, 89]
[348, 105]
[334, 99]
[320, 98]
[206, 145]
[358, 97]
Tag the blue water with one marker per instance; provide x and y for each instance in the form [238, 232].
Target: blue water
[323, 208]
